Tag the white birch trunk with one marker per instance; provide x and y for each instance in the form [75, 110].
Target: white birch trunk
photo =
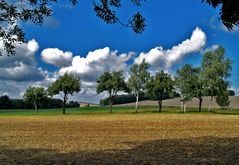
[136, 103]
[184, 107]
[210, 106]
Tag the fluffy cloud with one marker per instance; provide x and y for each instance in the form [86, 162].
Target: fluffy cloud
[16, 89]
[96, 63]
[20, 71]
[90, 67]
[22, 65]
[56, 57]
[160, 58]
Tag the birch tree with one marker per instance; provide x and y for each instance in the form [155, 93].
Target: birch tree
[34, 95]
[186, 82]
[215, 69]
[138, 79]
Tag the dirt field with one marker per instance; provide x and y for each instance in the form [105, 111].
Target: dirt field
[194, 103]
[120, 139]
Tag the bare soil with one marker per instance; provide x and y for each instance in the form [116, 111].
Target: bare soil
[120, 139]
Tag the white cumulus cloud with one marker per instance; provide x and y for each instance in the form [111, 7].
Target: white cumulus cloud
[19, 71]
[21, 66]
[96, 63]
[56, 57]
[160, 58]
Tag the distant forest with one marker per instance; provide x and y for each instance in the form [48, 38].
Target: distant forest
[8, 103]
[129, 98]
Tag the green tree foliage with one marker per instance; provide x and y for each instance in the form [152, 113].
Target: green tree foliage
[231, 92]
[34, 95]
[216, 68]
[9, 103]
[66, 85]
[19, 104]
[199, 88]
[222, 97]
[13, 13]
[160, 85]
[4, 102]
[112, 83]
[188, 84]
[138, 79]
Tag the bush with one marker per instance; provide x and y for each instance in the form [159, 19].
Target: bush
[223, 100]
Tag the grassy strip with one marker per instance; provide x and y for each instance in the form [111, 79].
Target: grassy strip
[98, 110]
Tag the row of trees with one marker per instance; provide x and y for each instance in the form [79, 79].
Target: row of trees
[209, 79]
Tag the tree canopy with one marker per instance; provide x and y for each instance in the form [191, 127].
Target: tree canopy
[160, 85]
[216, 68]
[138, 79]
[4, 102]
[186, 83]
[68, 84]
[112, 83]
[222, 97]
[35, 94]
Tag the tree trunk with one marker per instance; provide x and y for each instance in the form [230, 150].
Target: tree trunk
[200, 104]
[64, 104]
[35, 105]
[184, 106]
[136, 103]
[181, 104]
[210, 107]
[160, 105]
[111, 103]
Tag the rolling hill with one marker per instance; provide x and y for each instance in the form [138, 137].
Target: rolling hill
[194, 103]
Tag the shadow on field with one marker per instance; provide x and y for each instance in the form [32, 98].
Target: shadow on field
[205, 150]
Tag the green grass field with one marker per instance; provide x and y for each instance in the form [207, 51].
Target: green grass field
[100, 110]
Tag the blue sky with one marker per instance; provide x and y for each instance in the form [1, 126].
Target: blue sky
[76, 31]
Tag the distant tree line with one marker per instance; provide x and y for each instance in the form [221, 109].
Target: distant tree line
[129, 98]
[8, 103]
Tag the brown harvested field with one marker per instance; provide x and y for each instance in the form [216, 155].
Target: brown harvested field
[194, 103]
[120, 139]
